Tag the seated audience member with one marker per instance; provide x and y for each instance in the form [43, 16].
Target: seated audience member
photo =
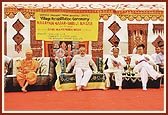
[6, 59]
[6, 63]
[82, 69]
[157, 51]
[27, 71]
[143, 64]
[160, 61]
[116, 65]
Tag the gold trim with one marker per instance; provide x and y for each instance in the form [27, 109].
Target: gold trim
[72, 86]
[104, 14]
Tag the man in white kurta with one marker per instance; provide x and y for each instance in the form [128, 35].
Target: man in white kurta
[115, 65]
[157, 51]
[143, 64]
[82, 68]
[6, 63]
[160, 59]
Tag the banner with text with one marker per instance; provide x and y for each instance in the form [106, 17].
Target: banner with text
[67, 26]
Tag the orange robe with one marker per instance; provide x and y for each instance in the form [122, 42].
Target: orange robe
[31, 76]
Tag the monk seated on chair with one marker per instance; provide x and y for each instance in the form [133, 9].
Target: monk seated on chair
[26, 75]
[82, 69]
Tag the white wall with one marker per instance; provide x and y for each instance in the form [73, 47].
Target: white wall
[11, 32]
[123, 34]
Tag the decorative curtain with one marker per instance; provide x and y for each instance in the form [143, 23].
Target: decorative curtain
[97, 46]
[140, 15]
[36, 45]
[104, 14]
[158, 41]
[137, 34]
[114, 27]
[158, 28]
[18, 37]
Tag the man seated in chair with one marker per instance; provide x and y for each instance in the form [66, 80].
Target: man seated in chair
[157, 51]
[116, 66]
[143, 64]
[160, 60]
[82, 68]
[26, 75]
[6, 63]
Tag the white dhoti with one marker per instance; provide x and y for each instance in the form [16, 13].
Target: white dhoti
[117, 74]
[82, 76]
[145, 69]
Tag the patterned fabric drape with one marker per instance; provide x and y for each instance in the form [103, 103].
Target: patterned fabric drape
[36, 45]
[104, 14]
[18, 37]
[97, 46]
[114, 27]
[141, 15]
[137, 34]
[158, 41]
[158, 28]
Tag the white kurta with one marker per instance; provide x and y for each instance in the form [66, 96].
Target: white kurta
[144, 67]
[160, 58]
[116, 70]
[153, 56]
[6, 59]
[82, 69]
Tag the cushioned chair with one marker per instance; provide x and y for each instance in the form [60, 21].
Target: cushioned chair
[66, 81]
[46, 75]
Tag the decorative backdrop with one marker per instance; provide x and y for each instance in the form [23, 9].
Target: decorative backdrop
[128, 11]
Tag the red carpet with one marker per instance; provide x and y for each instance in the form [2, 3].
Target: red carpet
[110, 100]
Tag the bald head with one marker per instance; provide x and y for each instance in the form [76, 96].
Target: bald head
[29, 54]
[82, 51]
[115, 51]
